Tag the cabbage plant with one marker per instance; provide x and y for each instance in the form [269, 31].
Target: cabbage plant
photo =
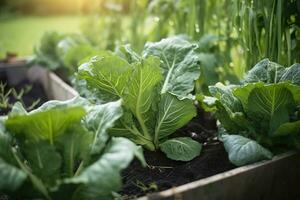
[62, 151]
[260, 114]
[156, 92]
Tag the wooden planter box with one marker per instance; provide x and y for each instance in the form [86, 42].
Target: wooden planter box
[275, 179]
[278, 178]
[54, 87]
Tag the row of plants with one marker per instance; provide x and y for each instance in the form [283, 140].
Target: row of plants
[247, 31]
[133, 101]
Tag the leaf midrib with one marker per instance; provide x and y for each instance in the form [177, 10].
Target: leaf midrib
[182, 143]
[171, 68]
[160, 122]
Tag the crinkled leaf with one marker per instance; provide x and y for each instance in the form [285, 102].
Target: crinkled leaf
[180, 64]
[243, 151]
[173, 114]
[265, 71]
[46, 125]
[99, 119]
[181, 148]
[225, 95]
[108, 73]
[11, 177]
[292, 74]
[271, 72]
[102, 178]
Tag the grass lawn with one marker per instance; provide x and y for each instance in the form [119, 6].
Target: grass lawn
[20, 34]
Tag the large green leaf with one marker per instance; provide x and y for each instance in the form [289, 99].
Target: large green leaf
[289, 128]
[45, 125]
[268, 106]
[243, 92]
[56, 104]
[43, 160]
[75, 146]
[102, 178]
[243, 151]
[11, 177]
[142, 93]
[180, 64]
[108, 73]
[181, 148]
[99, 119]
[173, 114]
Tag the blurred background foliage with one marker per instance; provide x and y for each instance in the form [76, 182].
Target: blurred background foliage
[232, 35]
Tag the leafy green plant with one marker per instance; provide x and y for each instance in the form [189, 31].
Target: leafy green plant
[46, 53]
[265, 108]
[155, 89]
[61, 51]
[59, 152]
[269, 29]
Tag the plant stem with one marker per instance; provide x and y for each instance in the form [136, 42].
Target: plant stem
[35, 181]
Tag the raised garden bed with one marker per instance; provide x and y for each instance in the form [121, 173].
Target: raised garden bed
[209, 176]
[212, 176]
[275, 179]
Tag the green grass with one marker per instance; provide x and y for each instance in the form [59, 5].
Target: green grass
[20, 34]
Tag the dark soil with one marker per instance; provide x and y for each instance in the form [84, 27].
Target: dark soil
[36, 93]
[163, 173]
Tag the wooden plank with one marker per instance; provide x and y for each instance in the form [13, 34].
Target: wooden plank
[59, 89]
[275, 179]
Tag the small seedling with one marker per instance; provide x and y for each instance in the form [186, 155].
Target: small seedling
[5, 97]
[146, 188]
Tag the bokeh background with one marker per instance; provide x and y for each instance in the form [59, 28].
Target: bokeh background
[234, 34]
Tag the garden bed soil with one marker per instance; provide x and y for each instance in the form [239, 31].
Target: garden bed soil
[163, 173]
[37, 92]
